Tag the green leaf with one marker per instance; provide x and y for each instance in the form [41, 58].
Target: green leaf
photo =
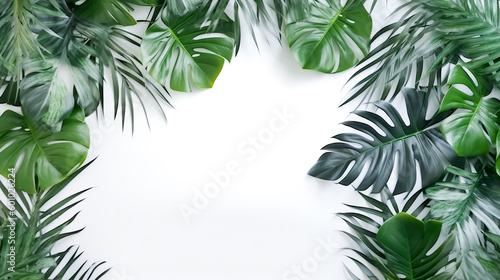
[105, 12]
[46, 93]
[141, 2]
[474, 125]
[185, 50]
[490, 260]
[332, 38]
[497, 162]
[407, 243]
[418, 143]
[467, 203]
[41, 158]
[465, 194]
[37, 232]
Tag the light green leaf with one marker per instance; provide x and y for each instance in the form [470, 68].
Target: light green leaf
[46, 92]
[474, 125]
[105, 12]
[41, 158]
[332, 38]
[185, 50]
[464, 194]
[467, 203]
[407, 243]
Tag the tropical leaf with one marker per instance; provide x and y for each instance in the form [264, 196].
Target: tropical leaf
[105, 12]
[37, 223]
[41, 158]
[428, 37]
[491, 260]
[406, 53]
[366, 222]
[184, 52]
[474, 126]
[407, 243]
[18, 24]
[468, 203]
[46, 93]
[332, 38]
[497, 160]
[419, 143]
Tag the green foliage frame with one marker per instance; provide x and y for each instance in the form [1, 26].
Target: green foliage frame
[57, 56]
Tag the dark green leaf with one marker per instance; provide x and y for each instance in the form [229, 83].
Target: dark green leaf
[105, 12]
[417, 143]
[407, 243]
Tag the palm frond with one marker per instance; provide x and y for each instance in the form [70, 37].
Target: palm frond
[19, 24]
[468, 203]
[36, 224]
[427, 38]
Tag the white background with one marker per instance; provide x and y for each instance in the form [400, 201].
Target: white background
[271, 217]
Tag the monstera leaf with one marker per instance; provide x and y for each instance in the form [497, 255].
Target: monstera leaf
[187, 49]
[41, 158]
[407, 242]
[418, 142]
[474, 125]
[332, 38]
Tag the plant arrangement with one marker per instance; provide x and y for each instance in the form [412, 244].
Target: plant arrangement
[424, 138]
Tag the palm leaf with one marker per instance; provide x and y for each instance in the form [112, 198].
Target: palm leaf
[19, 20]
[490, 260]
[331, 38]
[38, 227]
[183, 52]
[415, 144]
[41, 157]
[474, 126]
[429, 36]
[468, 203]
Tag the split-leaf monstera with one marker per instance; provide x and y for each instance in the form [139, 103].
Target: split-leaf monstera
[331, 38]
[419, 142]
[474, 125]
[41, 158]
[187, 49]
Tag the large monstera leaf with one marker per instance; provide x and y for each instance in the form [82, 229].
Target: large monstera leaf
[418, 142]
[407, 243]
[474, 124]
[187, 49]
[42, 159]
[332, 38]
